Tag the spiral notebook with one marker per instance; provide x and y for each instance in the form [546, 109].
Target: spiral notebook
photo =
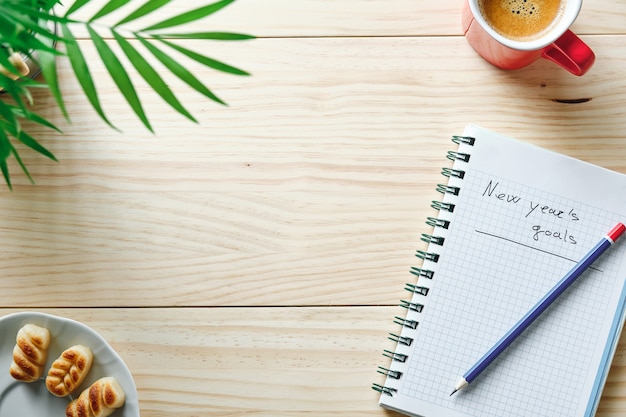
[514, 218]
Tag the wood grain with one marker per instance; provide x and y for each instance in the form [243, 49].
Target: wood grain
[331, 18]
[325, 185]
[261, 361]
[251, 264]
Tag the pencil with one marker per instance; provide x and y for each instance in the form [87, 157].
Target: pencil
[540, 307]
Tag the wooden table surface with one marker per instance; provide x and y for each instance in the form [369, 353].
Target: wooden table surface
[252, 264]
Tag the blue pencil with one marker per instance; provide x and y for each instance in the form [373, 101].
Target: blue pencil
[540, 307]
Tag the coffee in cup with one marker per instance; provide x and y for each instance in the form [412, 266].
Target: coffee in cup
[521, 20]
[512, 34]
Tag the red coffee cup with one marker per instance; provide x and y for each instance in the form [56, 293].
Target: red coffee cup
[556, 42]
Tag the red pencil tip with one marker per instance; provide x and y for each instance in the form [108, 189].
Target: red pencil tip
[616, 232]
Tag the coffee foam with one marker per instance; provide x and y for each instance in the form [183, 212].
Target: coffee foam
[522, 20]
[522, 8]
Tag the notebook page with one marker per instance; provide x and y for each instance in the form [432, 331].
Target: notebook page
[523, 218]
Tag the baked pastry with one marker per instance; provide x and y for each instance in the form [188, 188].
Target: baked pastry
[30, 353]
[69, 370]
[105, 396]
[80, 406]
[101, 399]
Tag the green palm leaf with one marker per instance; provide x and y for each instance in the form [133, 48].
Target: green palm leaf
[26, 139]
[29, 141]
[24, 26]
[110, 7]
[218, 36]
[29, 23]
[148, 7]
[48, 64]
[77, 5]
[190, 16]
[205, 60]
[34, 117]
[151, 76]
[79, 66]
[119, 75]
[7, 113]
[19, 161]
[180, 71]
[5, 152]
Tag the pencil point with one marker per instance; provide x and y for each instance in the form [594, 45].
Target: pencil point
[453, 392]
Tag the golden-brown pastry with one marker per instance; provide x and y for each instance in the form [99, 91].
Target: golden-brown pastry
[79, 407]
[69, 370]
[105, 396]
[30, 353]
[101, 399]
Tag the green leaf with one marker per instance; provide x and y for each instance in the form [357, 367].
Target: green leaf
[180, 71]
[32, 43]
[5, 173]
[48, 64]
[29, 141]
[29, 23]
[119, 75]
[151, 76]
[19, 161]
[110, 7]
[5, 151]
[148, 7]
[77, 5]
[79, 66]
[205, 60]
[34, 117]
[43, 15]
[5, 145]
[26, 139]
[190, 16]
[7, 113]
[219, 36]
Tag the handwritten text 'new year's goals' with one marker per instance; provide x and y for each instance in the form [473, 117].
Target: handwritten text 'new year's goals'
[538, 211]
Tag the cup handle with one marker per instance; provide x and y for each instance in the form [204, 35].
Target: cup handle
[571, 53]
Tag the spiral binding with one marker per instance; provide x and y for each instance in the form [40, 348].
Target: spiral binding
[453, 173]
[458, 156]
[421, 272]
[411, 324]
[417, 291]
[436, 222]
[447, 189]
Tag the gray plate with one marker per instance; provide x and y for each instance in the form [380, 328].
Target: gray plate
[33, 399]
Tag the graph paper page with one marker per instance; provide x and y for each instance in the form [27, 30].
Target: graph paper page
[523, 218]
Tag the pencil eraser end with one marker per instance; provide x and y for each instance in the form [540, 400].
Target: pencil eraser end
[616, 232]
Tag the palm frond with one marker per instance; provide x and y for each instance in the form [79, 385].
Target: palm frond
[180, 71]
[145, 9]
[151, 76]
[204, 60]
[25, 27]
[189, 17]
[119, 75]
[216, 36]
[78, 4]
[81, 71]
[110, 7]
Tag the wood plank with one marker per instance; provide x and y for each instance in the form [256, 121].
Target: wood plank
[262, 361]
[322, 18]
[311, 189]
[152, 249]
[290, 124]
